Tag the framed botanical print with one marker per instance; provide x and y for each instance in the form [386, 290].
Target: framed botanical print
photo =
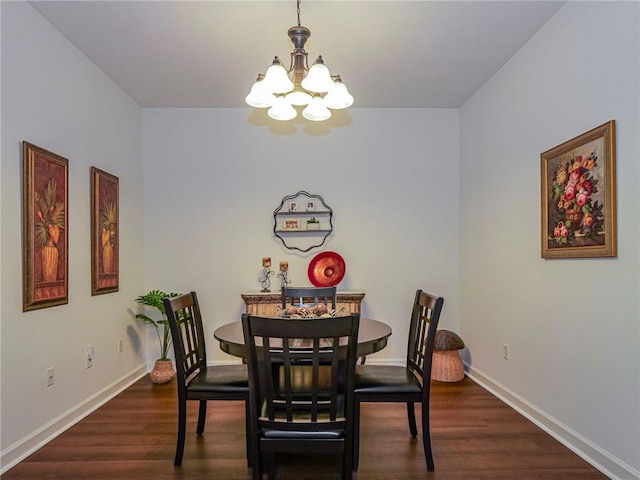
[105, 244]
[45, 224]
[579, 196]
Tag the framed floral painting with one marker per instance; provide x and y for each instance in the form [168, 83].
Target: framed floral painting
[105, 245]
[45, 207]
[579, 196]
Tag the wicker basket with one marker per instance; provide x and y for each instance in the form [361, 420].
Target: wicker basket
[447, 366]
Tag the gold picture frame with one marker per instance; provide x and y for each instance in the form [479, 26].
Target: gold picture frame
[578, 183]
[105, 243]
[45, 223]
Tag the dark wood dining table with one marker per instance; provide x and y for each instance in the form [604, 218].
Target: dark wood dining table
[372, 337]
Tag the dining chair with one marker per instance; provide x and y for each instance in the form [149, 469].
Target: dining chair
[408, 384]
[296, 296]
[197, 380]
[287, 415]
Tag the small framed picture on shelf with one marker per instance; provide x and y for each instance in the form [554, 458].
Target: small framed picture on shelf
[311, 206]
[293, 206]
[291, 224]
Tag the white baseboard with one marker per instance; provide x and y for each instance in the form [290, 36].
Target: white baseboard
[21, 449]
[584, 448]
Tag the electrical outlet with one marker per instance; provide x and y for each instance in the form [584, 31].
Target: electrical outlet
[505, 351]
[50, 377]
[89, 357]
[120, 346]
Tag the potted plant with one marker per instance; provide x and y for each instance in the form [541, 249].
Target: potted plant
[313, 224]
[50, 221]
[163, 369]
[108, 221]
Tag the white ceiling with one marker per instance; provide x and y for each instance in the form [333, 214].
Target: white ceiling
[389, 53]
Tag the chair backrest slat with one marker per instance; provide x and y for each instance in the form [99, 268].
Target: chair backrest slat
[307, 296]
[294, 349]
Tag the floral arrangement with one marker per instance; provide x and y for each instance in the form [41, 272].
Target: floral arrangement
[574, 186]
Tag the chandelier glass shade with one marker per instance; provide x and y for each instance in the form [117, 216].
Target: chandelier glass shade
[314, 87]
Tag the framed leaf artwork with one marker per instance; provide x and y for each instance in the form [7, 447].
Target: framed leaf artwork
[45, 223]
[105, 244]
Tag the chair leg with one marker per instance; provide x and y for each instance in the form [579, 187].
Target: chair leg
[257, 466]
[202, 417]
[347, 461]
[271, 466]
[248, 435]
[182, 429]
[411, 414]
[356, 434]
[426, 437]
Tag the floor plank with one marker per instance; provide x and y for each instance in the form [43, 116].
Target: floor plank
[475, 436]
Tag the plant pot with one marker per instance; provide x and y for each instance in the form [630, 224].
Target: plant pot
[162, 371]
[575, 217]
[49, 262]
[313, 226]
[107, 258]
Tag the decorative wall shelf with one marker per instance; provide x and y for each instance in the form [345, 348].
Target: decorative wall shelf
[291, 221]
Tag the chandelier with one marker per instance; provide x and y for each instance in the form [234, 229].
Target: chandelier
[314, 88]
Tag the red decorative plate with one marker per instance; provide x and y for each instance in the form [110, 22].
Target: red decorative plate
[326, 269]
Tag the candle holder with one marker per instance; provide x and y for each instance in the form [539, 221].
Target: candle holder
[284, 275]
[265, 281]
[284, 279]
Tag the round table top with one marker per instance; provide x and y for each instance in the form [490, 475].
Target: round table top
[372, 337]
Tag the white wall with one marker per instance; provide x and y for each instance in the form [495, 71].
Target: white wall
[54, 97]
[391, 177]
[573, 325]
[213, 179]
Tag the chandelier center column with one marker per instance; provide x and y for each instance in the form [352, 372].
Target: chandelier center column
[299, 36]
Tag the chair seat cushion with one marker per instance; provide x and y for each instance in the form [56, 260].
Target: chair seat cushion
[385, 379]
[220, 379]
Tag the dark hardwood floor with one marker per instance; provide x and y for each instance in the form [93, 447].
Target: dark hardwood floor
[475, 437]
